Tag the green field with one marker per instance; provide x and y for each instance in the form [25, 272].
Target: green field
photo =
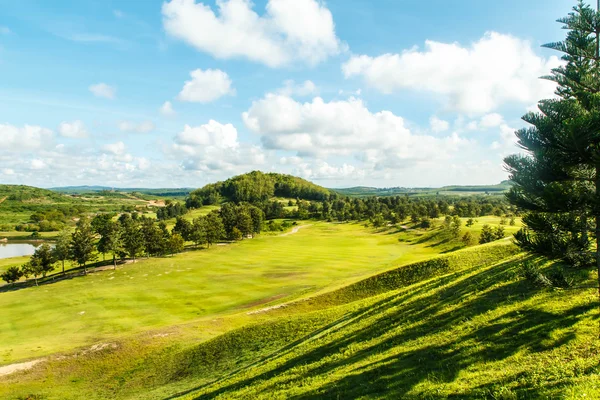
[306, 315]
[161, 292]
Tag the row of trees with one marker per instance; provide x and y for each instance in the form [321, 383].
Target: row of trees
[171, 210]
[392, 209]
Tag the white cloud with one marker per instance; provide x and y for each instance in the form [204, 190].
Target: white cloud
[167, 109]
[290, 88]
[290, 30]
[103, 90]
[118, 13]
[27, 138]
[115, 148]
[74, 130]
[494, 70]
[5, 30]
[206, 86]
[491, 120]
[38, 164]
[438, 125]
[214, 147]
[321, 170]
[8, 171]
[142, 127]
[321, 129]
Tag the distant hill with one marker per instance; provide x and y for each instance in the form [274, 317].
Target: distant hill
[257, 186]
[164, 192]
[361, 191]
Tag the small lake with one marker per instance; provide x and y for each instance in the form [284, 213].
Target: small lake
[18, 249]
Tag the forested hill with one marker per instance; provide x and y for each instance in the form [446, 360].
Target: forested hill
[255, 187]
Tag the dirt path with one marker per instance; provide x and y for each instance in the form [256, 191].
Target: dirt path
[12, 368]
[2, 199]
[294, 230]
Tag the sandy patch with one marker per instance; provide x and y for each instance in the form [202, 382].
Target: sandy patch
[12, 368]
[294, 230]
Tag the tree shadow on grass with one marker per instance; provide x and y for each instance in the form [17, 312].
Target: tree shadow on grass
[395, 375]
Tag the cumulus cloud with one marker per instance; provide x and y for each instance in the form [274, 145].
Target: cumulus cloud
[491, 120]
[215, 147]
[38, 164]
[115, 148]
[142, 127]
[291, 88]
[322, 170]
[29, 137]
[438, 125]
[321, 129]
[494, 70]
[167, 109]
[74, 130]
[277, 38]
[206, 86]
[103, 90]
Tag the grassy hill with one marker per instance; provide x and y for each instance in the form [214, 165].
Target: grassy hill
[351, 315]
[18, 203]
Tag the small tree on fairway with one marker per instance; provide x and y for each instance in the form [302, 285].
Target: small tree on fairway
[258, 216]
[113, 240]
[183, 227]
[133, 238]
[215, 230]
[82, 244]
[43, 259]
[32, 269]
[175, 244]
[198, 234]
[12, 274]
[244, 221]
[62, 248]
[487, 234]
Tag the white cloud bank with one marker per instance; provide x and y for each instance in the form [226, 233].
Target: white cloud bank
[321, 129]
[73, 130]
[290, 30]
[214, 147]
[29, 137]
[206, 86]
[494, 70]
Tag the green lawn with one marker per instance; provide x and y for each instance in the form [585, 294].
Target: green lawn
[162, 292]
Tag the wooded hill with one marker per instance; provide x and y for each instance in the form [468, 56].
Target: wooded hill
[255, 187]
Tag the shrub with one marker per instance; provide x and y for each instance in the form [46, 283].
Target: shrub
[12, 274]
[531, 272]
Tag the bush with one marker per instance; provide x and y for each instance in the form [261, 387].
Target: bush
[531, 272]
[12, 274]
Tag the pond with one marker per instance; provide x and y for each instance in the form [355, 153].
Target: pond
[17, 249]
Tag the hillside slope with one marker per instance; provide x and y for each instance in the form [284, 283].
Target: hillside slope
[479, 331]
[464, 325]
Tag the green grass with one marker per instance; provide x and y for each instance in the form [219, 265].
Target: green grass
[470, 329]
[162, 292]
[361, 315]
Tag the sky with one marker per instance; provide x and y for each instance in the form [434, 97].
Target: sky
[180, 93]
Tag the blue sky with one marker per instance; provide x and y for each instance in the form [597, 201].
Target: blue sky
[353, 92]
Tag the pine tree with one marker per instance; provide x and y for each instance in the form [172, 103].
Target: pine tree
[62, 248]
[82, 244]
[558, 181]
